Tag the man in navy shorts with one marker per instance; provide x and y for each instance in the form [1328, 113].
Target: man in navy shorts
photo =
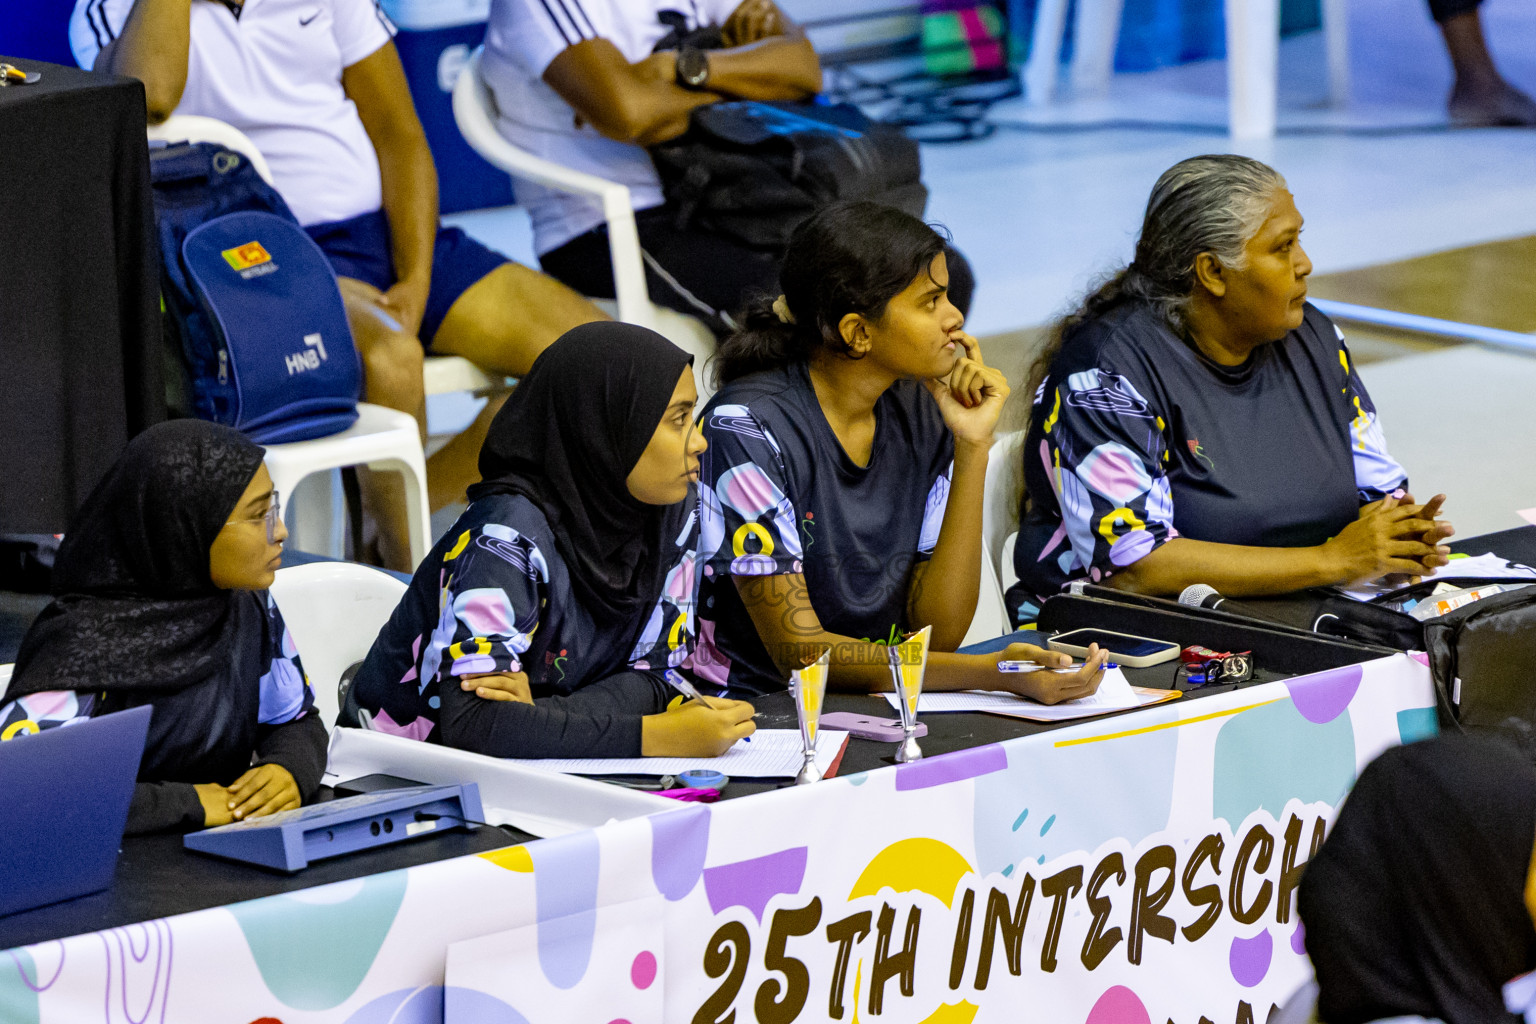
[318, 87]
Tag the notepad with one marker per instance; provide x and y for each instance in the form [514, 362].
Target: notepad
[1115, 693]
[1486, 566]
[766, 754]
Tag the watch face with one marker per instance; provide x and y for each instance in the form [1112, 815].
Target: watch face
[692, 67]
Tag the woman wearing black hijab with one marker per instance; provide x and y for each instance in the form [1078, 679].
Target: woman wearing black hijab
[162, 600]
[570, 575]
[1418, 904]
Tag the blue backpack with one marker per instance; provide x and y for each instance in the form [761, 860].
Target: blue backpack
[251, 300]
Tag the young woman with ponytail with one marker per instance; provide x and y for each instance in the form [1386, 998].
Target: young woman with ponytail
[840, 495]
[1201, 423]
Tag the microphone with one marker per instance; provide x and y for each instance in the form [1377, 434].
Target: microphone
[1199, 595]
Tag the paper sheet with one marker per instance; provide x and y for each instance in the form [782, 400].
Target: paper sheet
[766, 754]
[1488, 565]
[1115, 693]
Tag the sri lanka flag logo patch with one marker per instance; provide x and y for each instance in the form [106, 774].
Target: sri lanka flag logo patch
[244, 257]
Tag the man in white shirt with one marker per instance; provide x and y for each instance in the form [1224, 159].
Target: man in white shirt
[318, 87]
[580, 82]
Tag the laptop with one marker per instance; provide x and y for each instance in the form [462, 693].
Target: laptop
[64, 795]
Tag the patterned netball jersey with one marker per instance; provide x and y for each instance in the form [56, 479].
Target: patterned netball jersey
[494, 595]
[1136, 438]
[778, 495]
[285, 694]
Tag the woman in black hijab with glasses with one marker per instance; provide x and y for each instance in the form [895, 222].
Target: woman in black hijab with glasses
[1420, 903]
[542, 623]
[162, 599]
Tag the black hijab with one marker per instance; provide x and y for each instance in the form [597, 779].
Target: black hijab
[1415, 903]
[135, 608]
[567, 440]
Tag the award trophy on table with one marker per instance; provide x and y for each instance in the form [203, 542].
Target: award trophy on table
[809, 686]
[909, 660]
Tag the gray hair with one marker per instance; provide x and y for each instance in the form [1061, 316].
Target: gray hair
[1213, 204]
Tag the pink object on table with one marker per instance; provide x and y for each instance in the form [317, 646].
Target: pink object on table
[698, 796]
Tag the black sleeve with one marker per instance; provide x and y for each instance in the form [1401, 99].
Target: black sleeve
[164, 807]
[300, 747]
[601, 719]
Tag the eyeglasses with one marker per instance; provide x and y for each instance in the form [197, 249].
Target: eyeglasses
[271, 517]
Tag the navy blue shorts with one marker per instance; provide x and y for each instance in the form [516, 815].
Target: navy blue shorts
[359, 248]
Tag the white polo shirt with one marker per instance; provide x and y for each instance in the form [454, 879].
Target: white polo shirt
[275, 74]
[522, 39]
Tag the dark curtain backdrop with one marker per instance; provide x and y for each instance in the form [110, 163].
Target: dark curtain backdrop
[80, 362]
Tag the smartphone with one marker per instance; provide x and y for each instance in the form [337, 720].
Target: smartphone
[864, 727]
[1131, 651]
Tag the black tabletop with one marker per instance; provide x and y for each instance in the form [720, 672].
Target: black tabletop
[80, 356]
[950, 731]
[157, 877]
[1518, 545]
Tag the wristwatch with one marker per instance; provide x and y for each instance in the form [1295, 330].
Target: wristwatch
[693, 68]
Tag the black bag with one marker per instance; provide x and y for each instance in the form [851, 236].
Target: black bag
[1482, 655]
[752, 171]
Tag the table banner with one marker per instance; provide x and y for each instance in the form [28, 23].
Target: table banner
[1140, 868]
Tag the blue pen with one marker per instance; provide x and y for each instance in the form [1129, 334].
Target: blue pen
[1035, 666]
[687, 689]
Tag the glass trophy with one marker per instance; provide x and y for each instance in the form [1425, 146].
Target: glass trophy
[909, 660]
[809, 686]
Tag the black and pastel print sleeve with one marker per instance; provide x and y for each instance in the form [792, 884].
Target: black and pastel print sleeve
[1104, 451]
[666, 639]
[285, 691]
[492, 589]
[38, 711]
[747, 523]
[1377, 473]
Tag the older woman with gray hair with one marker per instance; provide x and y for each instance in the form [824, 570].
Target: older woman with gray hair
[1199, 422]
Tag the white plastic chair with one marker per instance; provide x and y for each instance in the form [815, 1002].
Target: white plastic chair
[1008, 576]
[1000, 497]
[196, 128]
[999, 516]
[474, 109]
[991, 618]
[381, 439]
[334, 610]
[5, 675]
[1253, 49]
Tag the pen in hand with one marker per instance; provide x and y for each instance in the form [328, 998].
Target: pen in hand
[1035, 666]
[687, 689]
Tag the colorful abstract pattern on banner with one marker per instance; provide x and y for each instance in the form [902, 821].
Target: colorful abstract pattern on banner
[1137, 868]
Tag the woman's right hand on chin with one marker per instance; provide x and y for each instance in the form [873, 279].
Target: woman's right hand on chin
[694, 730]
